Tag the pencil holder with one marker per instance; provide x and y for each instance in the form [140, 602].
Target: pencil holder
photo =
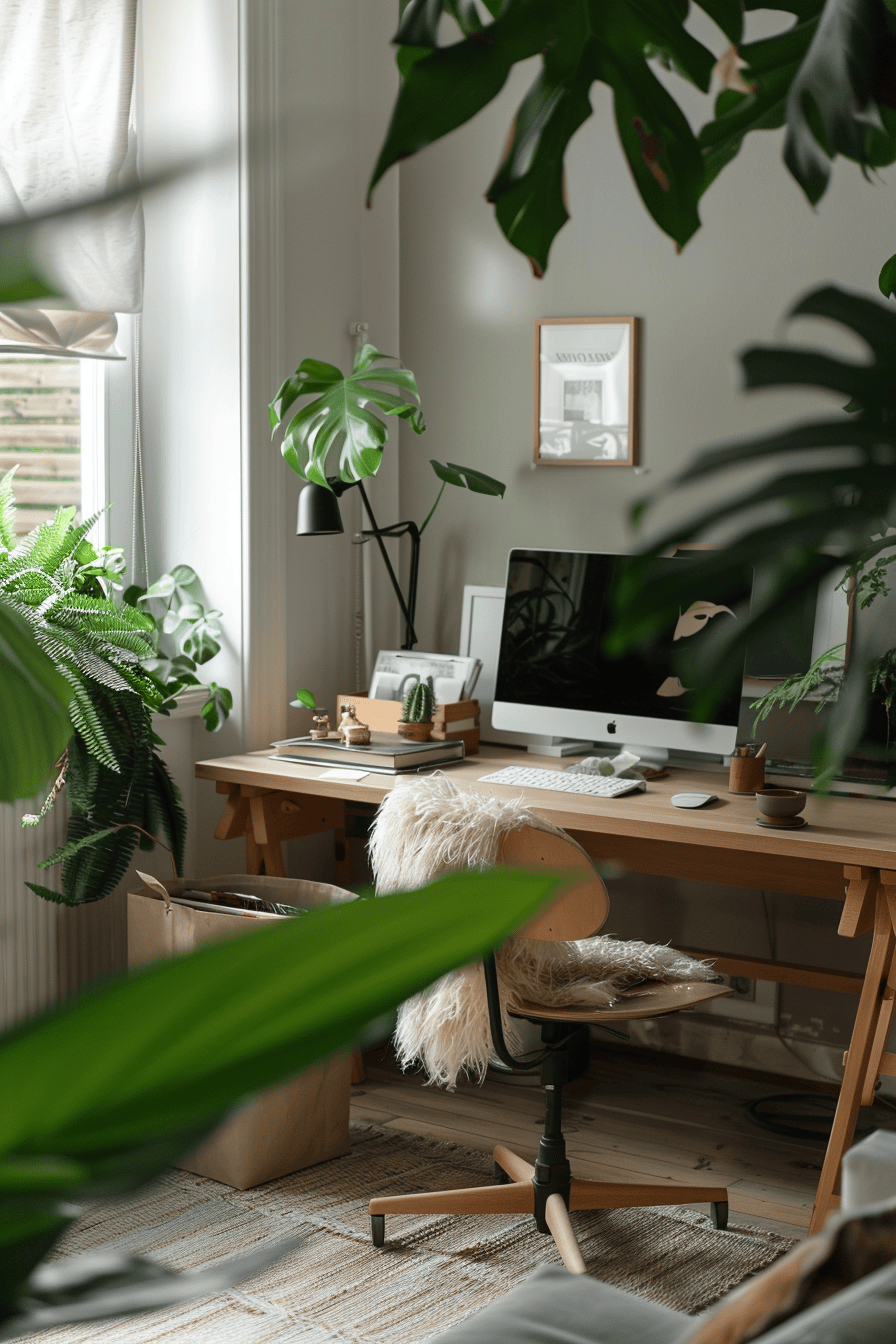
[747, 774]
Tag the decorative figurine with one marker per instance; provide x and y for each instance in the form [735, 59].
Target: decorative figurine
[321, 727]
[351, 723]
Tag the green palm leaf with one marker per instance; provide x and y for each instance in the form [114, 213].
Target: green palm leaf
[185, 1040]
[838, 492]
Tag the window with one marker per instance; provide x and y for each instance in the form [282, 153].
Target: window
[40, 432]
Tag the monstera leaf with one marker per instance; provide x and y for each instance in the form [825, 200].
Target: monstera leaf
[342, 417]
[836, 489]
[821, 77]
[578, 43]
[828, 77]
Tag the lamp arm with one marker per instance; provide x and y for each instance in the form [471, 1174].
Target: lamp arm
[407, 608]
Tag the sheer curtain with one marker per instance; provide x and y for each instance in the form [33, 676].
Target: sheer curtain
[67, 134]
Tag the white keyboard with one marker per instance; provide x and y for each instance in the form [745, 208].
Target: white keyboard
[561, 781]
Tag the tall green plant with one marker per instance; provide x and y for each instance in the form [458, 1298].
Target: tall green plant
[172, 1048]
[828, 77]
[830, 506]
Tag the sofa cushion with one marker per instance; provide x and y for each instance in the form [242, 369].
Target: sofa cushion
[556, 1307]
[847, 1252]
[863, 1313]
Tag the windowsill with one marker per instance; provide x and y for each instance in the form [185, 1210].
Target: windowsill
[189, 703]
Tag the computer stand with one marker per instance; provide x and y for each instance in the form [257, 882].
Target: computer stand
[560, 746]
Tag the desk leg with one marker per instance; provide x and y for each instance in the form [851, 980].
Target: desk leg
[865, 1052]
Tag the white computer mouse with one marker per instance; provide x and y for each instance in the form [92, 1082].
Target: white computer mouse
[693, 799]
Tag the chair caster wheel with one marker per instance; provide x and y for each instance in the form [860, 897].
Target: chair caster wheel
[719, 1215]
[501, 1177]
[378, 1228]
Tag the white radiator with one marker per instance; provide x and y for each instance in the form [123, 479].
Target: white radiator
[47, 950]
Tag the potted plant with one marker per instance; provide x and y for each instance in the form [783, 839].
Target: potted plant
[823, 681]
[104, 648]
[336, 441]
[416, 714]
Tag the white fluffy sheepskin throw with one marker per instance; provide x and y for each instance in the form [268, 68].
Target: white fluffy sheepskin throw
[428, 828]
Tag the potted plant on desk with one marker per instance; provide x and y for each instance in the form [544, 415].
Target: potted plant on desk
[416, 714]
[345, 420]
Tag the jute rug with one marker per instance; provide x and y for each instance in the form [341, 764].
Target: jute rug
[433, 1272]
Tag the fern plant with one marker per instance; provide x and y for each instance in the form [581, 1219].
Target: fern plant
[120, 791]
[821, 681]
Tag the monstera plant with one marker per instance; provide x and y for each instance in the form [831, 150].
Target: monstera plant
[831, 505]
[344, 425]
[829, 77]
[341, 434]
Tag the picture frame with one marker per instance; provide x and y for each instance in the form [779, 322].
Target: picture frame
[590, 420]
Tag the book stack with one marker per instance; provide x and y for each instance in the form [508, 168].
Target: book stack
[457, 721]
[386, 753]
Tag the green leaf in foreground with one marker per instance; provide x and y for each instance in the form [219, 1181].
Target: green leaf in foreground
[109, 1283]
[825, 510]
[185, 1040]
[886, 281]
[33, 711]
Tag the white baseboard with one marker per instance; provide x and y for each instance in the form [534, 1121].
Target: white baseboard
[741, 1045]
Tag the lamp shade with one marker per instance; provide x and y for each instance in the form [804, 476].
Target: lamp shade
[318, 512]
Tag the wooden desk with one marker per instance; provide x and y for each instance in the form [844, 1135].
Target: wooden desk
[846, 853]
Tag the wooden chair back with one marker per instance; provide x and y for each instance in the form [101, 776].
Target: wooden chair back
[582, 908]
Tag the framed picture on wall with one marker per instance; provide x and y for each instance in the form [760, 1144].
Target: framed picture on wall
[586, 391]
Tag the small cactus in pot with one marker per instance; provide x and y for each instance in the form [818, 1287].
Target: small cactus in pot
[416, 714]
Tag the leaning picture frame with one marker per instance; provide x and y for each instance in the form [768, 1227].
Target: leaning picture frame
[586, 391]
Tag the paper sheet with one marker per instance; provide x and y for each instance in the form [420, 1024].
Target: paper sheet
[337, 772]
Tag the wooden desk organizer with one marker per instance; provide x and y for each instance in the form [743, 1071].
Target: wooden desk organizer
[460, 719]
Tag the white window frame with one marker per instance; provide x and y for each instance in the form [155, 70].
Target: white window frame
[107, 442]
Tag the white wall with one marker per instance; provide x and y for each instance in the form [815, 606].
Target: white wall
[468, 304]
[467, 308]
[338, 79]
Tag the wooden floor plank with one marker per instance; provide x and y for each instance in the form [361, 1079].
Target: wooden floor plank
[629, 1119]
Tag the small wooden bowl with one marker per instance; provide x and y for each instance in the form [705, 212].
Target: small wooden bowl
[780, 802]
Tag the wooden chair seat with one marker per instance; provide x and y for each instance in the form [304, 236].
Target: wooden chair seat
[651, 999]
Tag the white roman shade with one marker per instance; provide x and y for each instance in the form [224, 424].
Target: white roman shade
[66, 134]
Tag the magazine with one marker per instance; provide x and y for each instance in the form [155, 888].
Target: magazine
[449, 676]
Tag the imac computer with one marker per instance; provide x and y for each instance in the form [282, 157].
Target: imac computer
[554, 679]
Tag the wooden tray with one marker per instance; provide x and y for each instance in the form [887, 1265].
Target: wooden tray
[460, 719]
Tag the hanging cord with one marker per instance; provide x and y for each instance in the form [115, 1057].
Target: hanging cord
[138, 506]
[360, 331]
[360, 679]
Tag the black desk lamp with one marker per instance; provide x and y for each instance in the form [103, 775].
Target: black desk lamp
[319, 517]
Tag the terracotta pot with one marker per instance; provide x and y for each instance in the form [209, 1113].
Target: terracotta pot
[416, 732]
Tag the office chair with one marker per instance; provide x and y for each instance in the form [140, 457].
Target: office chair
[546, 1188]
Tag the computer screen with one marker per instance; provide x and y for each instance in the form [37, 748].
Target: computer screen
[553, 677]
